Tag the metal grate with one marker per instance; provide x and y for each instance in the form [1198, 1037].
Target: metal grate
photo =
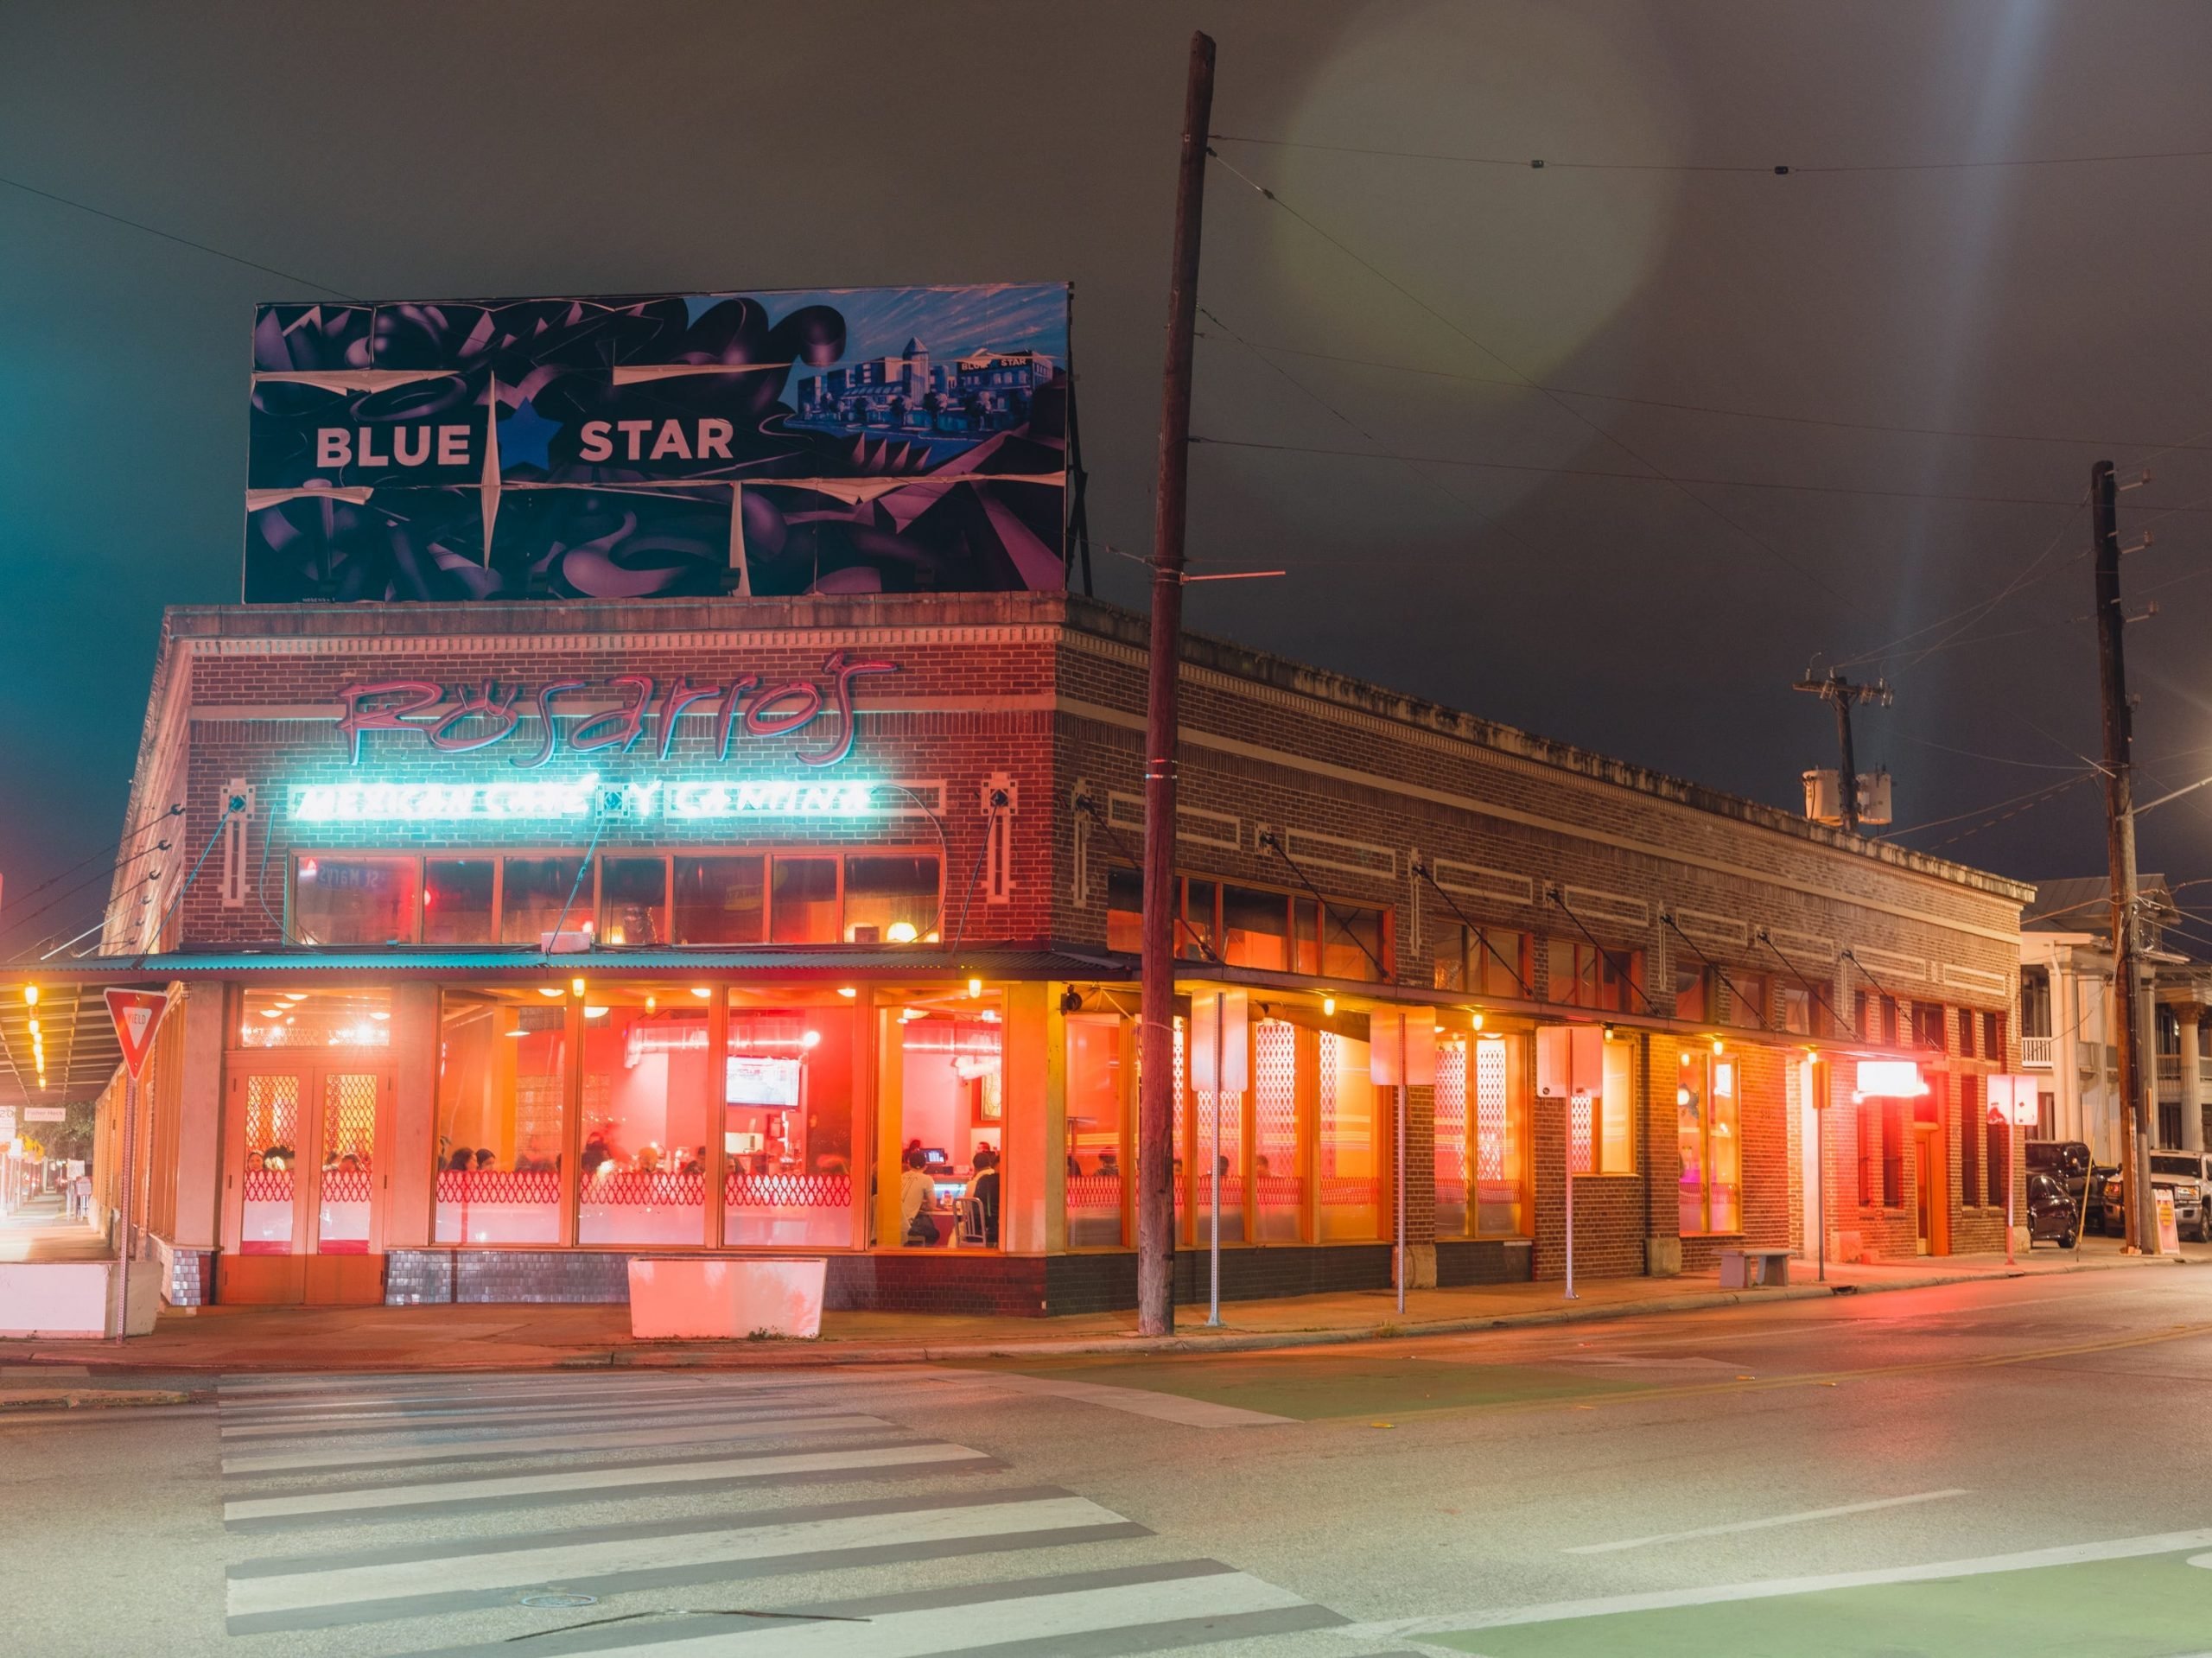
[1490, 1114]
[349, 1117]
[1452, 1126]
[272, 1113]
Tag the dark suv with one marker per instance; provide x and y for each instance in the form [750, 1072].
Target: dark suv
[2052, 1213]
[2068, 1162]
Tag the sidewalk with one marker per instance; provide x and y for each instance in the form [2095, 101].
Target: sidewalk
[39, 1232]
[214, 1340]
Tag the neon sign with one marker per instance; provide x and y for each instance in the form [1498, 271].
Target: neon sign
[482, 716]
[509, 800]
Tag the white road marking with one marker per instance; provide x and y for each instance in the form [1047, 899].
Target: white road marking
[2118, 1548]
[607, 1481]
[344, 1453]
[1138, 1402]
[1797, 1519]
[555, 1561]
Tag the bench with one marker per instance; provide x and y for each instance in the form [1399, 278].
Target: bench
[1744, 1269]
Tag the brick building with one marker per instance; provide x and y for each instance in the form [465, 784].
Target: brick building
[524, 938]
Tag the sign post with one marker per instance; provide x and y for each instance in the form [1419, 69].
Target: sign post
[1218, 1020]
[1401, 1050]
[138, 1015]
[2013, 1102]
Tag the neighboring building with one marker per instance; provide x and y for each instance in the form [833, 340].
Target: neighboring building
[2065, 1017]
[543, 935]
[984, 391]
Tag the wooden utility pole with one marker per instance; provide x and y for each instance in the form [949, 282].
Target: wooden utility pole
[2119, 851]
[1156, 1042]
[1836, 689]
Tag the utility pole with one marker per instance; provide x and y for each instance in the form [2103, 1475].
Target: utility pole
[1841, 692]
[1156, 1040]
[2119, 851]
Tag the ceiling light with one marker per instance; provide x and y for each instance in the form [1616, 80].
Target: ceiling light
[900, 932]
[702, 991]
[575, 986]
[549, 989]
[848, 991]
[810, 1039]
[975, 987]
[1328, 1005]
[379, 1015]
[1479, 1021]
[30, 994]
[594, 1013]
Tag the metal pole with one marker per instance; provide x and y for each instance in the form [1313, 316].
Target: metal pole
[1213, 1301]
[1846, 785]
[1820, 1173]
[2011, 1109]
[124, 1174]
[1401, 1017]
[1570, 1200]
[1156, 1102]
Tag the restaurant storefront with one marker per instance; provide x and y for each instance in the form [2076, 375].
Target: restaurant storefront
[509, 941]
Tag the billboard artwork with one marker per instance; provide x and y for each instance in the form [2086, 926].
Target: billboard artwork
[840, 441]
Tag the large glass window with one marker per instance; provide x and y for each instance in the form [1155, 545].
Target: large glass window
[633, 901]
[1581, 974]
[1197, 935]
[458, 900]
[720, 901]
[1350, 1141]
[1693, 991]
[355, 900]
[1749, 1001]
[273, 1141]
[951, 1122]
[891, 900]
[642, 1166]
[1709, 1151]
[502, 1099]
[1277, 1180]
[803, 901]
[1124, 909]
[1355, 942]
[1256, 928]
[542, 894]
[788, 1081]
[1098, 1141]
[1481, 961]
[313, 1018]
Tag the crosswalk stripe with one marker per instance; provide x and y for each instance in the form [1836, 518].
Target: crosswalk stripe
[565, 1484]
[443, 1583]
[506, 1424]
[341, 1408]
[362, 1421]
[345, 1454]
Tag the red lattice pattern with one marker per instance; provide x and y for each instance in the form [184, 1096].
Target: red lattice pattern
[1275, 1113]
[349, 1114]
[1580, 1121]
[1095, 1191]
[272, 1110]
[654, 1188]
[1490, 1115]
[269, 1186]
[346, 1186]
[1347, 1191]
[1451, 1124]
[499, 1186]
[787, 1191]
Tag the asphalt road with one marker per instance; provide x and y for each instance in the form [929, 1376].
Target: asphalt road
[2018, 1467]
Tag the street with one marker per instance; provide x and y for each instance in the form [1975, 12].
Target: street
[2011, 1466]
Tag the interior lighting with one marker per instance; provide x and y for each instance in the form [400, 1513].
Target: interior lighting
[380, 1016]
[1609, 1032]
[30, 994]
[549, 989]
[974, 987]
[273, 1012]
[652, 1004]
[908, 1015]
[294, 995]
[34, 1027]
[1479, 1021]
[1682, 1096]
[900, 932]
[1328, 1004]
[848, 991]
[1719, 1046]
[575, 986]
[810, 1039]
[594, 1013]
[702, 991]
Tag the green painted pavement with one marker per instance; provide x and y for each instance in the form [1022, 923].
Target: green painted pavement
[1311, 1387]
[2152, 1607]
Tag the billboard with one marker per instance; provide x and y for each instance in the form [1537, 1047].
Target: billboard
[830, 441]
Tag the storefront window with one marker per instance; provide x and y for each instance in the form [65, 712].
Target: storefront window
[1707, 1142]
[1693, 991]
[1748, 1003]
[1501, 1136]
[1217, 1145]
[349, 1146]
[542, 894]
[1581, 974]
[1278, 1186]
[318, 1020]
[891, 900]
[1097, 1113]
[951, 1122]
[272, 1140]
[457, 900]
[1196, 938]
[354, 901]
[632, 901]
[720, 901]
[787, 1087]
[1481, 961]
[803, 901]
[1350, 1148]
[642, 1168]
[501, 1137]
[1124, 909]
[1449, 1119]
[1256, 928]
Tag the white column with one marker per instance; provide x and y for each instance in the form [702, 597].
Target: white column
[2192, 1089]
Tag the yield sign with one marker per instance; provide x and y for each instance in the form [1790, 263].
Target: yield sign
[138, 1015]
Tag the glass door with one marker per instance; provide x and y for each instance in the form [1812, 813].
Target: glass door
[345, 1162]
[264, 1184]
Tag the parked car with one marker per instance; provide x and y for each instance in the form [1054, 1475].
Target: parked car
[2070, 1162]
[2189, 1175]
[2052, 1213]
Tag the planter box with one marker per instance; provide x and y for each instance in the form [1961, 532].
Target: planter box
[70, 1300]
[699, 1297]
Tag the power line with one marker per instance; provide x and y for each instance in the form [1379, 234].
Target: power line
[1524, 163]
[2033, 797]
[1581, 418]
[170, 236]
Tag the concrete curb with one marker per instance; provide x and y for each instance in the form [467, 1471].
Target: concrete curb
[775, 1354]
[53, 1398]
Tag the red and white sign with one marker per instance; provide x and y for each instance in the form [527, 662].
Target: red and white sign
[138, 1015]
[1890, 1079]
[2013, 1098]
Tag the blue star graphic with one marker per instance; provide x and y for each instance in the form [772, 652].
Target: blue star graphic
[524, 436]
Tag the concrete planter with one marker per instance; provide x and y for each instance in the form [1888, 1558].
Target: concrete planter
[71, 1299]
[696, 1298]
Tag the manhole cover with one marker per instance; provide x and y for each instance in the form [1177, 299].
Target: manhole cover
[559, 1601]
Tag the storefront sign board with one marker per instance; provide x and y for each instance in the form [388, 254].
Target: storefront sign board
[1389, 1029]
[46, 1113]
[1219, 1020]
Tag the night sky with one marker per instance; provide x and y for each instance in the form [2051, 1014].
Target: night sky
[1856, 405]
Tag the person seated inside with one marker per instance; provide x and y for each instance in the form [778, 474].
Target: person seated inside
[917, 1196]
[1109, 1164]
[462, 1161]
[984, 1189]
[485, 1157]
[349, 1163]
[596, 1151]
[535, 1157]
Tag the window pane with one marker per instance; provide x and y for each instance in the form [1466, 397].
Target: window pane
[1196, 935]
[354, 901]
[1354, 943]
[1305, 931]
[349, 1143]
[322, 1020]
[1501, 1136]
[1617, 1113]
[1279, 1188]
[501, 1116]
[536, 893]
[1452, 1139]
[1124, 909]
[1495, 958]
[890, 900]
[632, 901]
[1450, 966]
[718, 900]
[1618, 972]
[1690, 998]
[1747, 1007]
[1095, 1130]
[1350, 1164]
[272, 1138]
[803, 901]
[457, 900]
[1256, 928]
[1796, 1010]
[788, 1126]
[1692, 1088]
[643, 1165]
[951, 1125]
[1724, 1151]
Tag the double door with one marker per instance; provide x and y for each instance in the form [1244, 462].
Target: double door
[303, 1178]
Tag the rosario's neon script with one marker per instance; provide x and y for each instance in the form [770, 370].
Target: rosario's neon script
[506, 800]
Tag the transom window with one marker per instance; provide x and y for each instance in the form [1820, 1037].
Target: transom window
[1255, 926]
[621, 899]
[1482, 961]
